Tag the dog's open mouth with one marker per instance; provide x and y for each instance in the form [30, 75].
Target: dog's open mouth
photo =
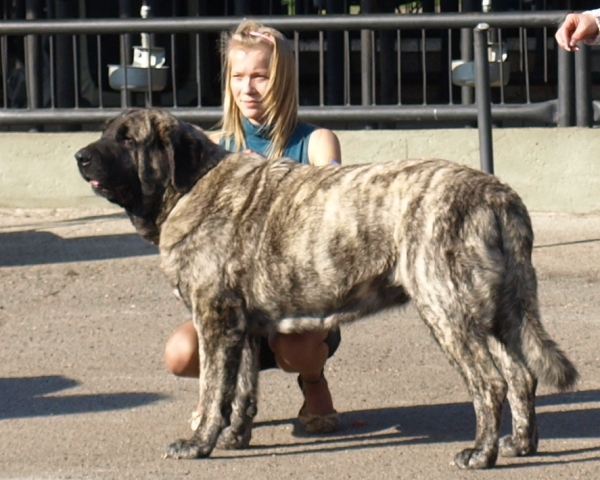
[118, 193]
[96, 185]
[100, 188]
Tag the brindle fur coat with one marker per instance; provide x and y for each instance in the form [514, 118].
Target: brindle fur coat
[254, 245]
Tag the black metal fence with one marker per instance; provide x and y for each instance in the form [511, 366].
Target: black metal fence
[387, 70]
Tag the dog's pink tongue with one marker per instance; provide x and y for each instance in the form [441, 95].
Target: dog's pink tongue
[94, 183]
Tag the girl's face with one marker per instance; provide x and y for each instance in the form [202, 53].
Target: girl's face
[249, 80]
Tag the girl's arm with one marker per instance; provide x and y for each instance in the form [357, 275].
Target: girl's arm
[324, 148]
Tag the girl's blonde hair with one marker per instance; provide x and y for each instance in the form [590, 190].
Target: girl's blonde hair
[281, 98]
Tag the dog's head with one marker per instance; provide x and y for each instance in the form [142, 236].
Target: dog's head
[144, 162]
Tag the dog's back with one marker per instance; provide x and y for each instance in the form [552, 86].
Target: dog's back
[321, 246]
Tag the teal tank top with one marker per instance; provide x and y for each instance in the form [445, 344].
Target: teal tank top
[296, 148]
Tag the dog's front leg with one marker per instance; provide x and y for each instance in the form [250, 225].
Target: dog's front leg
[222, 334]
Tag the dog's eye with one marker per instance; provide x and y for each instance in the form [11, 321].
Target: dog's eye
[123, 135]
[127, 140]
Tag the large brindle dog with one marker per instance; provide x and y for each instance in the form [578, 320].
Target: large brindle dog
[254, 245]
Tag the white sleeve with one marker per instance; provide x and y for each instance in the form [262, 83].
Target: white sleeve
[596, 15]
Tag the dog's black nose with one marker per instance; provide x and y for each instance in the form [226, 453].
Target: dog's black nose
[83, 157]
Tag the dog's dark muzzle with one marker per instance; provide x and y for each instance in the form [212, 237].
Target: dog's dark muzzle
[85, 164]
[107, 174]
[83, 157]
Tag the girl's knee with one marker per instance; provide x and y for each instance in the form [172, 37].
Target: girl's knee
[295, 352]
[181, 354]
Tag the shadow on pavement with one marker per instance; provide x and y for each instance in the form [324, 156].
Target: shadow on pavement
[31, 247]
[564, 244]
[26, 397]
[428, 424]
[456, 422]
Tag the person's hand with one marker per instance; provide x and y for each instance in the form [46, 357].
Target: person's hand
[575, 28]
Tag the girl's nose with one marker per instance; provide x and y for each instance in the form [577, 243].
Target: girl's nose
[248, 85]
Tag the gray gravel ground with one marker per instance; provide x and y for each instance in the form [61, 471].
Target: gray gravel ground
[85, 313]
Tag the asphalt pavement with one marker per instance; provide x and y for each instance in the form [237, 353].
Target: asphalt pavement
[84, 393]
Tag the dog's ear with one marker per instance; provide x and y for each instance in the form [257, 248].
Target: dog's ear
[185, 152]
[107, 123]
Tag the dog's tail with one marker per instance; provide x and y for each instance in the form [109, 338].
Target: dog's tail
[528, 337]
[544, 357]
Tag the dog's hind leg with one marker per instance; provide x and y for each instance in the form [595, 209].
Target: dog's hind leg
[521, 396]
[464, 342]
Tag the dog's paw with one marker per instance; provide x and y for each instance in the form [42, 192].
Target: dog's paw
[516, 447]
[186, 449]
[474, 459]
[229, 439]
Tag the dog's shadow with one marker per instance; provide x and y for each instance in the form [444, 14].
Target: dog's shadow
[33, 246]
[441, 423]
[26, 397]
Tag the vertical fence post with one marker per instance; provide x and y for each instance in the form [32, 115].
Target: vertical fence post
[366, 58]
[33, 62]
[67, 91]
[366, 61]
[124, 53]
[583, 87]
[566, 93]
[466, 51]
[334, 57]
[483, 97]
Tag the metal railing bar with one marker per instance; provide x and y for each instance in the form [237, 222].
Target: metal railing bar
[466, 55]
[373, 68]
[399, 65]
[198, 73]
[483, 97]
[99, 65]
[424, 66]
[347, 70]
[566, 92]
[522, 44]
[125, 101]
[148, 96]
[321, 68]
[4, 55]
[52, 73]
[596, 110]
[501, 64]
[526, 69]
[366, 66]
[449, 69]
[75, 72]
[299, 22]
[539, 112]
[297, 61]
[583, 87]
[173, 76]
[546, 66]
[366, 86]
